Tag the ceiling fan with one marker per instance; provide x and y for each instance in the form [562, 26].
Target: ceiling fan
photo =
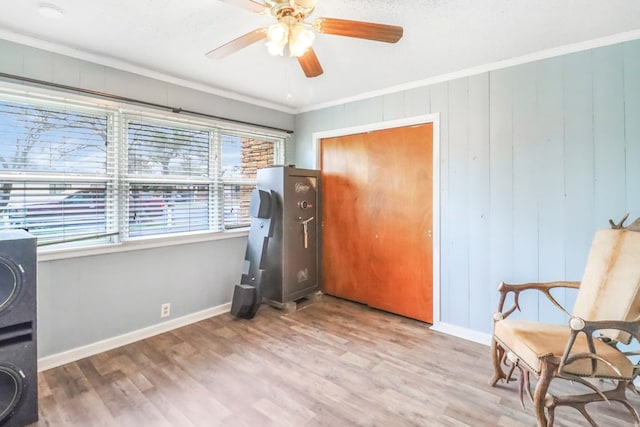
[293, 31]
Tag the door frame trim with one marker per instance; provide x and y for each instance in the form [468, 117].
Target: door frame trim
[433, 118]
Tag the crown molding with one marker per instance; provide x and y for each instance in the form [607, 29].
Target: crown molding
[135, 69]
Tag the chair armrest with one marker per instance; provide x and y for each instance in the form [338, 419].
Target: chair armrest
[589, 328]
[516, 289]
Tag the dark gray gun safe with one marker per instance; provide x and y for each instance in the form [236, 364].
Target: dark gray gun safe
[291, 261]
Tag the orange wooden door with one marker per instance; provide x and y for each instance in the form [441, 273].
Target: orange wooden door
[377, 219]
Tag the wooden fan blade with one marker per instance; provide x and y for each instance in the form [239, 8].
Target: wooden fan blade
[237, 44]
[310, 64]
[250, 5]
[358, 29]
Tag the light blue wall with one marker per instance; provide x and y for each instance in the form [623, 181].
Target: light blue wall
[534, 158]
[88, 299]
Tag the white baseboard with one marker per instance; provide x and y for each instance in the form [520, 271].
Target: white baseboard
[464, 333]
[78, 353]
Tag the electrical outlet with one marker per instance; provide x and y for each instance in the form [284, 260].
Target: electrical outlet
[165, 310]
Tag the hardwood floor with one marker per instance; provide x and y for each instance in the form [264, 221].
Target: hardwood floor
[330, 363]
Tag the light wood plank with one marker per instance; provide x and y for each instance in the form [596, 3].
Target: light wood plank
[455, 299]
[550, 186]
[501, 190]
[579, 221]
[394, 106]
[608, 128]
[526, 175]
[632, 124]
[417, 101]
[481, 289]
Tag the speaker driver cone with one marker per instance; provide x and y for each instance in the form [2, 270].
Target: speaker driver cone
[9, 283]
[11, 386]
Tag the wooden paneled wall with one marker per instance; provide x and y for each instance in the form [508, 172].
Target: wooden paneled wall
[534, 158]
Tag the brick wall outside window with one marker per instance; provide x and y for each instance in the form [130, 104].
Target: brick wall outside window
[255, 154]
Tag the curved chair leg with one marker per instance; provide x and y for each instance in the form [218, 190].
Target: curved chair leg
[497, 353]
[580, 401]
[548, 369]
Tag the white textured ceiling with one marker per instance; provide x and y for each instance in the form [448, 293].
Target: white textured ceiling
[171, 37]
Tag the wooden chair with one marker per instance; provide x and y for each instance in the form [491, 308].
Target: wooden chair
[587, 350]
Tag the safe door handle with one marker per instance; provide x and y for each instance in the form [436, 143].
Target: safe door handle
[305, 230]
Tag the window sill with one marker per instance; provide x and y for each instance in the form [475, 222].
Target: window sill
[141, 244]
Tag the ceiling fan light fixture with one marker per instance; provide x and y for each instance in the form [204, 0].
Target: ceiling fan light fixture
[277, 36]
[300, 39]
[278, 33]
[275, 49]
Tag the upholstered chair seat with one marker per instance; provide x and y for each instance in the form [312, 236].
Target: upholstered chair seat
[532, 341]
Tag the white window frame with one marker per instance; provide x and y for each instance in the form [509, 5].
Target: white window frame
[118, 114]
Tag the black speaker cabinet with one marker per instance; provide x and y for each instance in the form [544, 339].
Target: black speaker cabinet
[18, 344]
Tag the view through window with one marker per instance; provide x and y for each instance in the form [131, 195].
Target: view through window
[76, 176]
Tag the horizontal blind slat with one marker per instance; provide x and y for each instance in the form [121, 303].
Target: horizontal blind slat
[56, 211]
[161, 150]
